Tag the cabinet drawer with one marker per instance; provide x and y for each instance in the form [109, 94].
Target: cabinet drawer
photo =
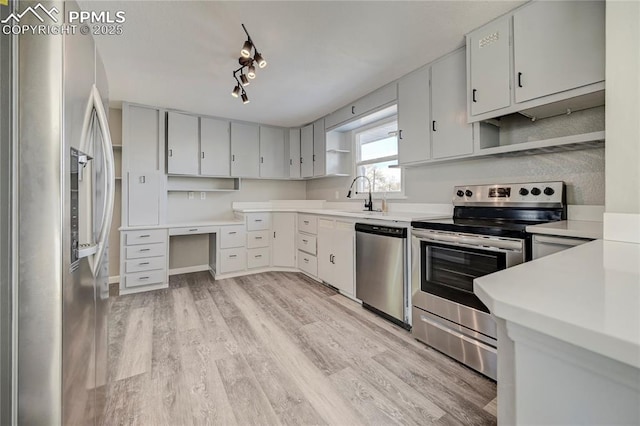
[232, 260]
[232, 236]
[307, 223]
[258, 258]
[149, 250]
[145, 278]
[193, 230]
[149, 236]
[258, 221]
[145, 264]
[307, 243]
[257, 239]
[308, 263]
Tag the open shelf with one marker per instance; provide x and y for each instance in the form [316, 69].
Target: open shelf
[116, 146]
[201, 184]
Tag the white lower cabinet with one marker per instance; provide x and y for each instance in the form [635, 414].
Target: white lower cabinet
[283, 243]
[256, 239]
[143, 263]
[336, 242]
[308, 263]
[232, 236]
[258, 258]
[232, 260]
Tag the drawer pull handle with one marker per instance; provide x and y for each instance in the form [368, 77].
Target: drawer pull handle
[258, 238]
[232, 232]
[306, 260]
[145, 249]
[193, 230]
[143, 278]
[306, 222]
[143, 263]
[258, 256]
[145, 236]
[305, 241]
[257, 220]
[231, 256]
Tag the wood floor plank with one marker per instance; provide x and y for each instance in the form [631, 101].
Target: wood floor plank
[316, 387]
[136, 355]
[492, 407]
[216, 329]
[249, 403]
[124, 400]
[187, 317]
[119, 311]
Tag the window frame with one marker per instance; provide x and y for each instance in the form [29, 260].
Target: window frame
[356, 162]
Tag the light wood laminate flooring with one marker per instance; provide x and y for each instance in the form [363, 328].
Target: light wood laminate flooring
[276, 348]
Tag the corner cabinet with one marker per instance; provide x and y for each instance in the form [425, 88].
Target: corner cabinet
[245, 150]
[336, 247]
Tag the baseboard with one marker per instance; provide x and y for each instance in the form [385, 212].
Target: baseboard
[114, 279]
[623, 227]
[189, 269]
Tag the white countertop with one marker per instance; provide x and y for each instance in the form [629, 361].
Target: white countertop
[197, 224]
[588, 296]
[569, 228]
[358, 214]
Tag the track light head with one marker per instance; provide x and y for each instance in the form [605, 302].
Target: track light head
[236, 92]
[245, 98]
[251, 73]
[246, 49]
[260, 60]
[244, 80]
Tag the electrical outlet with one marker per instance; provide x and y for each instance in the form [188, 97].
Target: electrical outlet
[191, 195]
[203, 195]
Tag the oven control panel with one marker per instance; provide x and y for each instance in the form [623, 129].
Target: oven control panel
[529, 193]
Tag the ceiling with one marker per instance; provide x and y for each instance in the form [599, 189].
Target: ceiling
[321, 54]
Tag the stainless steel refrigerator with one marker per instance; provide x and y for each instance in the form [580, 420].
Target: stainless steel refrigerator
[62, 200]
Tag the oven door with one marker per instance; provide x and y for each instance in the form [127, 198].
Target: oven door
[444, 266]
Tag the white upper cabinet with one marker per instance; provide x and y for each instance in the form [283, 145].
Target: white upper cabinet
[182, 144]
[413, 117]
[294, 153]
[558, 46]
[245, 150]
[383, 96]
[451, 135]
[319, 149]
[272, 153]
[306, 148]
[142, 128]
[489, 51]
[215, 147]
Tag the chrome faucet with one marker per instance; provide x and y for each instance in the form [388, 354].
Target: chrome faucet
[367, 205]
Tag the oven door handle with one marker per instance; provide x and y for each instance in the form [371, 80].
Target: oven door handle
[458, 334]
[470, 240]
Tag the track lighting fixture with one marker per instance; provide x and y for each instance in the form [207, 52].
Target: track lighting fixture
[246, 61]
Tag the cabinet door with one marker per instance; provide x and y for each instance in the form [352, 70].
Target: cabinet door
[142, 137]
[306, 147]
[340, 116]
[413, 117]
[283, 244]
[374, 100]
[451, 135]
[325, 250]
[343, 259]
[294, 153]
[319, 149]
[215, 147]
[182, 144]
[489, 68]
[144, 190]
[245, 150]
[272, 156]
[558, 46]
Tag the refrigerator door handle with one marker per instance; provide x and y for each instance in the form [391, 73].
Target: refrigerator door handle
[95, 104]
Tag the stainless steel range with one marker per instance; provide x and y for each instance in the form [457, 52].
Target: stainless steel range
[486, 234]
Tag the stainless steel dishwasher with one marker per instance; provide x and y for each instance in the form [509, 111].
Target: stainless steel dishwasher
[381, 253]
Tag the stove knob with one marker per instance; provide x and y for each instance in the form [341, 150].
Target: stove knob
[549, 191]
[468, 193]
[460, 193]
[524, 191]
[535, 191]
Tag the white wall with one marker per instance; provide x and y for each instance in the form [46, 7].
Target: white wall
[622, 217]
[582, 170]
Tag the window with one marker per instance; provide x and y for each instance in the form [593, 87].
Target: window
[376, 148]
